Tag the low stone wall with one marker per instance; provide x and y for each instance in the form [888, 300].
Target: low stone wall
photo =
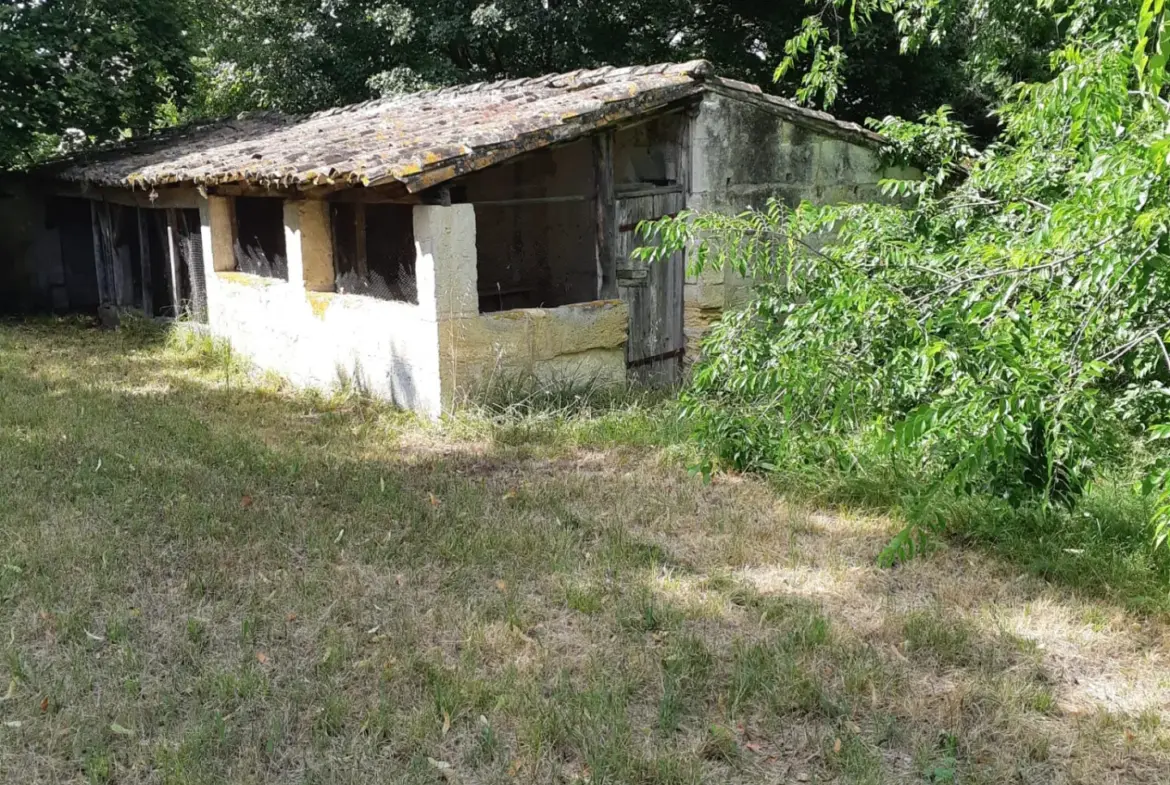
[424, 357]
[584, 342]
[321, 340]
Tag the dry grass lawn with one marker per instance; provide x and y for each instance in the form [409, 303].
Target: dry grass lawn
[207, 578]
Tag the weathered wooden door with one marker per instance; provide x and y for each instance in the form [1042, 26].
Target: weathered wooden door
[653, 292]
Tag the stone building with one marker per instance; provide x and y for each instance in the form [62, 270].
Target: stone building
[420, 244]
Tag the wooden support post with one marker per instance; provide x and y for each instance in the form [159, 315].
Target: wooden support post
[440, 195]
[606, 221]
[361, 263]
[144, 262]
[100, 260]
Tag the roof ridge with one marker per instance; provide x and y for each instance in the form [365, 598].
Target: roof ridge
[697, 70]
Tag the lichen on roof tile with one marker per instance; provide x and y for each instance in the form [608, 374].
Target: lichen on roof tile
[415, 138]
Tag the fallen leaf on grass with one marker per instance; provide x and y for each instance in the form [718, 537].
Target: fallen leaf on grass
[261, 658]
[502, 585]
[121, 731]
[13, 723]
[837, 745]
[246, 501]
[446, 723]
[44, 704]
[93, 637]
[11, 691]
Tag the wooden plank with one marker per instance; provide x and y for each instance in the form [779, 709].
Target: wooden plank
[531, 200]
[164, 196]
[634, 190]
[371, 196]
[653, 292]
[120, 252]
[99, 259]
[144, 263]
[605, 221]
[249, 190]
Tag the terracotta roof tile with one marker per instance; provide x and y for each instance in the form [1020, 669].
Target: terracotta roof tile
[418, 139]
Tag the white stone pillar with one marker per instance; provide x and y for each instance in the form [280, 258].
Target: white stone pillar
[448, 298]
[445, 266]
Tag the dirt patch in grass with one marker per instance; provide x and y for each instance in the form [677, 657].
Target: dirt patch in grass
[208, 578]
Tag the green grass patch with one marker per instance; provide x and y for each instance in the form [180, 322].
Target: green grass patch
[206, 576]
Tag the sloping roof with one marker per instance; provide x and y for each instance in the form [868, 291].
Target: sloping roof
[420, 139]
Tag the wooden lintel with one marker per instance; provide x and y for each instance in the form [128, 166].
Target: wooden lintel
[250, 190]
[531, 200]
[164, 197]
[374, 196]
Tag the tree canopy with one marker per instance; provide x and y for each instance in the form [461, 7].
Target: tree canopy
[89, 69]
[100, 69]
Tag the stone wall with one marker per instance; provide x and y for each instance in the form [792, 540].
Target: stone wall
[582, 343]
[742, 155]
[320, 339]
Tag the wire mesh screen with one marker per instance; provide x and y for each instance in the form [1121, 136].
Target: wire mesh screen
[157, 261]
[127, 242]
[192, 284]
[373, 252]
[259, 246]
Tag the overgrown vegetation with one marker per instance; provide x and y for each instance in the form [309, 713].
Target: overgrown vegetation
[207, 577]
[995, 334]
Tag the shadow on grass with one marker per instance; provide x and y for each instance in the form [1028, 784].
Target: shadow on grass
[207, 580]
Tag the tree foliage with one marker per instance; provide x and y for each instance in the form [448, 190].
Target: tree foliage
[96, 68]
[108, 68]
[297, 55]
[999, 326]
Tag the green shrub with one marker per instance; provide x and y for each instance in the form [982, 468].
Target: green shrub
[995, 330]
